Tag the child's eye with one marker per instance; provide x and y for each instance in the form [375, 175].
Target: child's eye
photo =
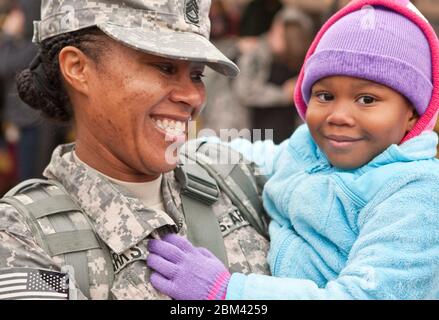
[324, 96]
[366, 100]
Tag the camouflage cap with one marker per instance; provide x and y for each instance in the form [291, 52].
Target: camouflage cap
[176, 29]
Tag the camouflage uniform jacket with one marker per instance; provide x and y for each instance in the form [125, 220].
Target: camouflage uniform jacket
[125, 225]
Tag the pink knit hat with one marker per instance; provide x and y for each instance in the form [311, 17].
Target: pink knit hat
[400, 54]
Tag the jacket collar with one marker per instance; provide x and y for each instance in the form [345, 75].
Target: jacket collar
[422, 147]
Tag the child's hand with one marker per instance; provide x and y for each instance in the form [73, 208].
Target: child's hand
[185, 272]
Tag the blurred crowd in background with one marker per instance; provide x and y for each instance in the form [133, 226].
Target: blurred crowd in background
[268, 40]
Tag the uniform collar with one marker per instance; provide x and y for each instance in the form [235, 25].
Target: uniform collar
[120, 220]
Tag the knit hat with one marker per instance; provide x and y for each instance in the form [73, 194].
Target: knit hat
[385, 41]
[174, 29]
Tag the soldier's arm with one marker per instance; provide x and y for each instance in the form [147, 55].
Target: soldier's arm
[18, 247]
[14, 56]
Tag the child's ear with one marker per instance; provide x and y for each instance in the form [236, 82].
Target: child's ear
[413, 118]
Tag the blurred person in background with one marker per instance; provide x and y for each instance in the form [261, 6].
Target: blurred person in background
[34, 138]
[223, 108]
[431, 10]
[258, 17]
[222, 22]
[7, 159]
[4, 9]
[268, 73]
[318, 10]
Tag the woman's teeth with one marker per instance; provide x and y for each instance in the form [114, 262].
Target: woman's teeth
[172, 127]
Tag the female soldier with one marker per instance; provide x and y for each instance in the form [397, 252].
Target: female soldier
[129, 76]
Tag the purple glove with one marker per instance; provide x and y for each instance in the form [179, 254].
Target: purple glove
[185, 272]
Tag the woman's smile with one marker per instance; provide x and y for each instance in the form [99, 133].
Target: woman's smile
[173, 129]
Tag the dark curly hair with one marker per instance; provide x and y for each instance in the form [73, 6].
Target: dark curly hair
[51, 97]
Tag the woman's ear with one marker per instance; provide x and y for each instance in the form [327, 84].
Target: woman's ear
[74, 66]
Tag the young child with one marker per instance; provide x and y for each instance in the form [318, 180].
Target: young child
[354, 193]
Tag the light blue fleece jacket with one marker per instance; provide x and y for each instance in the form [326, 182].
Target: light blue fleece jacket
[368, 233]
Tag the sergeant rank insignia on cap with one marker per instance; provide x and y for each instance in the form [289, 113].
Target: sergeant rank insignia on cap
[192, 12]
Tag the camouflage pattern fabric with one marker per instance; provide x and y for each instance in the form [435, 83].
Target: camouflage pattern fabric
[125, 225]
[176, 29]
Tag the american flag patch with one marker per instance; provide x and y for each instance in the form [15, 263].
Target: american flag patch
[33, 284]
